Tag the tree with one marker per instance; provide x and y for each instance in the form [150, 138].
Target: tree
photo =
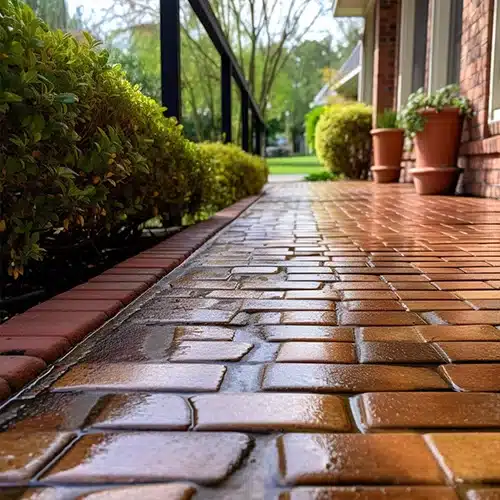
[267, 37]
[141, 59]
[200, 67]
[264, 34]
[53, 12]
[305, 71]
[351, 29]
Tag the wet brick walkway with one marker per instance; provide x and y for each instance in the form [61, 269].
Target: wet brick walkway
[337, 341]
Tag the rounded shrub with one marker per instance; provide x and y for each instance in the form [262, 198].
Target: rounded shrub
[85, 157]
[311, 121]
[236, 174]
[343, 141]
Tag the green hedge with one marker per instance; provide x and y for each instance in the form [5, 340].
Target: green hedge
[84, 154]
[343, 141]
[236, 174]
[311, 121]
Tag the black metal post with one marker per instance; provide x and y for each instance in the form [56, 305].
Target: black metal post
[226, 94]
[170, 43]
[245, 135]
[207, 17]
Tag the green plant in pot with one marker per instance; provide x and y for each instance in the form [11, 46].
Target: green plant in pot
[434, 122]
[388, 141]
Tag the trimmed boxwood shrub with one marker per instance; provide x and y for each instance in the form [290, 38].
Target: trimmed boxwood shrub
[311, 121]
[84, 155]
[236, 174]
[343, 141]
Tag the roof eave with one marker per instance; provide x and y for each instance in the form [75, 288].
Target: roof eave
[350, 8]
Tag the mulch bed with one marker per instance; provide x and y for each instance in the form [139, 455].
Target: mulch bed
[67, 267]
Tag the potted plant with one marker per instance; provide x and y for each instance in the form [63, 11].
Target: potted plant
[434, 122]
[388, 140]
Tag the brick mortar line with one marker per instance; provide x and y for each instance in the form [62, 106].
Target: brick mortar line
[121, 315]
[255, 471]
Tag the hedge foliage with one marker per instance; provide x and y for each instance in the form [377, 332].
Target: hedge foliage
[236, 174]
[85, 155]
[311, 121]
[343, 141]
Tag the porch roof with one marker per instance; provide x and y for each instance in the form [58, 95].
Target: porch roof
[346, 81]
[350, 8]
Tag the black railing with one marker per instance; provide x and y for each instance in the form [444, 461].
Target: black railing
[170, 36]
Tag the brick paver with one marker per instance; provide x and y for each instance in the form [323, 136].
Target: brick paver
[337, 340]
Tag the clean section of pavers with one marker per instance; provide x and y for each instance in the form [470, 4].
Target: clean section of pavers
[337, 340]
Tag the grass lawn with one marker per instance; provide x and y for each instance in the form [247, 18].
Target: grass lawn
[295, 165]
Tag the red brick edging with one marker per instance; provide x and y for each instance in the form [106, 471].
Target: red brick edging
[490, 145]
[29, 341]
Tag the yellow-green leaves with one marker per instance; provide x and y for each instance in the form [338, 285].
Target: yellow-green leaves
[85, 155]
[234, 174]
[10, 97]
[343, 141]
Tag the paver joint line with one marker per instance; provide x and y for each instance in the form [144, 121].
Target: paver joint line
[337, 340]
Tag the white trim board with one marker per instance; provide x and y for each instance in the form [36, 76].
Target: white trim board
[439, 47]
[494, 99]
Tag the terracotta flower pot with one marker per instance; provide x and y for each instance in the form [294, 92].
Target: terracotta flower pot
[388, 146]
[437, 145]
[383, 175]
[436, 180]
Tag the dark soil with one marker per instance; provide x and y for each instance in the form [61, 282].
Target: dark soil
[66, 267]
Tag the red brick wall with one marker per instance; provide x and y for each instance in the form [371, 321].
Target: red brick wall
[408, 162]
[481, 154]
[482, 176]
[385, 56]
[481, 162]
[475, 63]
[480, 151]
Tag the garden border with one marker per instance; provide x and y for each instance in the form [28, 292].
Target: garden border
[41, 335]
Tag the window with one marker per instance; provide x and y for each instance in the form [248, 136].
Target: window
[455, 46]
[445, 43]
[413, 48]
[494, 105]
[419, 44]
[444, 50]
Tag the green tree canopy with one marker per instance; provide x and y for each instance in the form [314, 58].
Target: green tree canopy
[268, 37]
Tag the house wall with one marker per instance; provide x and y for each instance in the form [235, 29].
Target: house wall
[405, 51]
[385, 55]
[475, 63]
[480, 149]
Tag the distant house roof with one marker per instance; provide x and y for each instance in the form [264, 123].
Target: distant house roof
[348, 71]
[321, 98]
[353, 62]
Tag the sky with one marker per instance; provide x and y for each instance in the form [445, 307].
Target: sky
[322, 26]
